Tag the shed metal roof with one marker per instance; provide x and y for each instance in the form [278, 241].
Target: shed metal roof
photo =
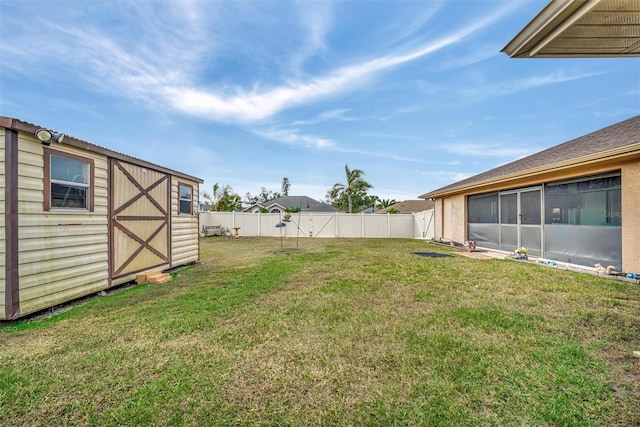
[19, 125]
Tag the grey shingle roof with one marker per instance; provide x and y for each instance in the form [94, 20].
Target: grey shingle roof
[307, 204]
[603, 141]
[409, 206]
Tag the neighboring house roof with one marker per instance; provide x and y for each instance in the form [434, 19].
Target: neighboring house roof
[409, 206]
[618, 141]
[306, 204]
[580, 28]
[205, 207]
[19, 125]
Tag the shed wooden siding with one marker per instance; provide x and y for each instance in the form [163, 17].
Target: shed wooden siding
[2, 233]
[62, 255]
[52, 256]
[184, 228]
[140, 232]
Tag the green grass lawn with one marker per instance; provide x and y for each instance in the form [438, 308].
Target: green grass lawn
[334, 332]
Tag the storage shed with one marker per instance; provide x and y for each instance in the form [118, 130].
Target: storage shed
[77, 218]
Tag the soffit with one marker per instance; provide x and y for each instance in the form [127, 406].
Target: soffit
[580, 28]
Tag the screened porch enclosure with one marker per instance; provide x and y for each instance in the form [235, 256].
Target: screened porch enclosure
[576, 221]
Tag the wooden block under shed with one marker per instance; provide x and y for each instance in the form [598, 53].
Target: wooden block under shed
[158, 279]
[152, 277]
[141, 279]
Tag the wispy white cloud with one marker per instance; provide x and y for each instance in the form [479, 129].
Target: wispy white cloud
[241, 105]
[489, 149]
[293, 137]
[613, 97]
[478, 55]
[404, 30]
[487, 90]
[315, 20]
[430, 88]
[618, 112]
[162, 66]
[399, 111]
[338, 114]
[380, 154]
[149, 54]
[445, 176]
[390, 136]
[459, 129]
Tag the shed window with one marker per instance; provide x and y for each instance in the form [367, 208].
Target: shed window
[68, 181]
[186, 199]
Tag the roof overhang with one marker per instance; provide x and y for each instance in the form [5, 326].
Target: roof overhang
[580, 166]
[580, 28]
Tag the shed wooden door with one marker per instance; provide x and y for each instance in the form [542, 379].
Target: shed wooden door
[139, 212]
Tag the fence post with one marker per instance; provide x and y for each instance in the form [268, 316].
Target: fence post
[259, 224]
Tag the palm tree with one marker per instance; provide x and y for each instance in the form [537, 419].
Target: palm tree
[224, 199]
[385, 203]
[355, 185]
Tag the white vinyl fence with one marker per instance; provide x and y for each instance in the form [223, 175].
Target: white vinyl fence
[417, 225]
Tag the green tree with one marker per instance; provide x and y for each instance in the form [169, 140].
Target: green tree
[373, 200]
[355, 188]
[264, 196]
[385, 203]
[224, 199]
[286, 184]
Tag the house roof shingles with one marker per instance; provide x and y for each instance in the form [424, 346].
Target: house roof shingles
[303, 202]
[409, 206]
[622, 137]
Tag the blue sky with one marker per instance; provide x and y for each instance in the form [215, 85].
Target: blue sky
[244, 93]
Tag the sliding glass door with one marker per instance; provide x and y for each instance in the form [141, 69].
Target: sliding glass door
[521, 220]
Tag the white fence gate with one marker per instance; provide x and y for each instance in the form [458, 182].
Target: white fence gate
[307, 224]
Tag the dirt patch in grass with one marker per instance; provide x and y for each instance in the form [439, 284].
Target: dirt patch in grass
[432, 254]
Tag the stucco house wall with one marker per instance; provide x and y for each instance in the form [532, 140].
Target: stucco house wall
[614, 150]
[631, 216]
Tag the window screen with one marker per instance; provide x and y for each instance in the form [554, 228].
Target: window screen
[595, 201]
[186, 199]
[69, 182]
[483, 208]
